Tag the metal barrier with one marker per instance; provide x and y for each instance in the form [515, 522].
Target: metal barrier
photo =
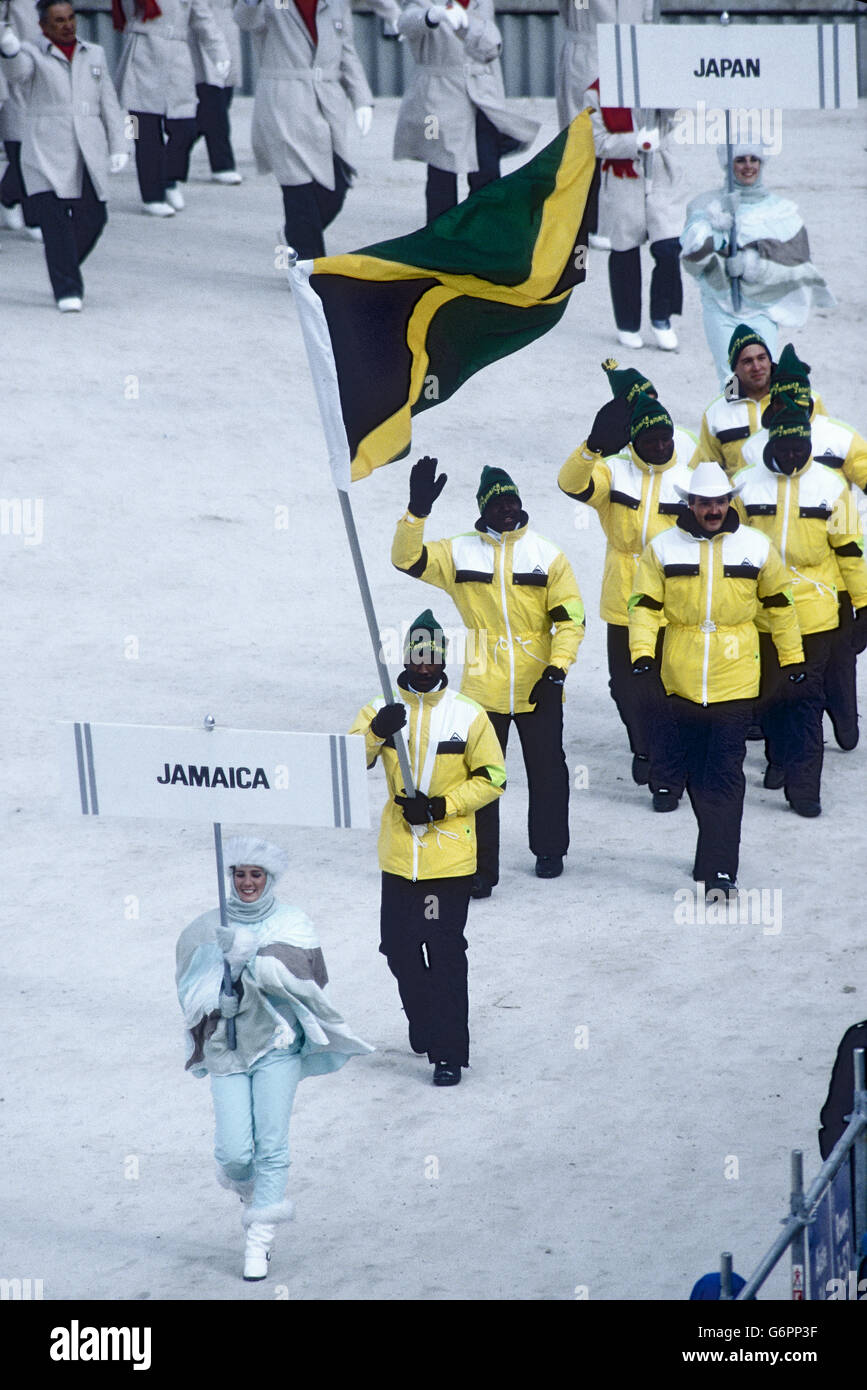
[803, 1205]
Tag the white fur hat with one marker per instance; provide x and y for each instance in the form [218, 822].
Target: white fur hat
[741, 148]
[246, 849]
[708, 480]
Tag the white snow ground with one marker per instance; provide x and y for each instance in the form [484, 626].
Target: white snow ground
[161, 429]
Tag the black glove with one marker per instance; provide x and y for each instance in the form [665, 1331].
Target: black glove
[610, 430]
[549, 685]
[424, 486]
[389, 719]
[421, 809]
[858, 636]
[643, 666]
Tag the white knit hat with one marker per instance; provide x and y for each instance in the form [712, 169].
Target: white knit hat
[246, 849]
[708, 480]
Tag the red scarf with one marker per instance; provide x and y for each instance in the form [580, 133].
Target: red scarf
[147, 9]
[617, 119]
[67, 49]
[307, 11]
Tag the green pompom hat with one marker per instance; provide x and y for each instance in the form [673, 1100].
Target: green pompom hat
[495, 482]
[790, 422]
[626, 381]
[425, 639]
[648, 414]
[743, 337]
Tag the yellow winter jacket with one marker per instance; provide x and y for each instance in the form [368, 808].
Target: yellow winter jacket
[729, 421]
[711, 590]
[812, 520]
[635, 502]
[454, 753]
[510, 593]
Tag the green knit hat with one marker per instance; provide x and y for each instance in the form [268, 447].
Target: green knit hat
[744, 336]
[648, 414]
[790, 422]
[495, 482]
[626, 381]
[425, 639]
[791, 377]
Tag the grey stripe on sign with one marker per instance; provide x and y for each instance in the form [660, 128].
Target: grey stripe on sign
[618, 56]
[821, 45]
[634, 41]
[836, 29]
[82, 782]
[335, 784]
[344, 781]
[91, 772]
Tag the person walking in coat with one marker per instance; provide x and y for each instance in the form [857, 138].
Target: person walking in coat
[636, 490]
[15, 212]
[157, 86]
[309, 82]
[808, 512]
[427, 841]
[73, 132]
[737, 413]
[640, 199]
[771, 258]
[215, 92]
[709, 578]
[286, 1028]
[518, 599]
[453, 116]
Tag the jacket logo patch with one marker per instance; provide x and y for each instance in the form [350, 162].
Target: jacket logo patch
[455, 738]
[537, 569]
[96, 72]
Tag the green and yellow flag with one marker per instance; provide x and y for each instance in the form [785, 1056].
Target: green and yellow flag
[397, 327]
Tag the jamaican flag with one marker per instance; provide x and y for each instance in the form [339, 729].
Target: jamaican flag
[397, 327]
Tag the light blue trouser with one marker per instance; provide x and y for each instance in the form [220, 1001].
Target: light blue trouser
[252, 1111]
[720, 324]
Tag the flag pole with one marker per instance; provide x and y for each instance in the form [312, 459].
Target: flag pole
[231, 1036]
[734, 197]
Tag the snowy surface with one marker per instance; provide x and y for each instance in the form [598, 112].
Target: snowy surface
[162, 428]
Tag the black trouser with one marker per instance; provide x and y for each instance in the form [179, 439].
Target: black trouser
[12, 190]
[161, 163]
[309, 208]
[71, 227]
[666, 288]
[422, 937]
[791, 715]
[646, 711]
[841, 689]
[442, 186]
[713, 739]
[541, 733]
[212, 122]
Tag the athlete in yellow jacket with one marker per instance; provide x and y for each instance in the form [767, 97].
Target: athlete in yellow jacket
[518, 598]
[427, 842]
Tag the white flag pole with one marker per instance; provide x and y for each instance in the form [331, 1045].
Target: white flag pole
[317, 345]
[734, 197]
[231, 1035]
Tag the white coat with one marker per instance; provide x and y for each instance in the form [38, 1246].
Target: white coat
[577, 60]
[155, 72]
[454, 76]
[635, 210]
[22, 18]
[203, 67]
[74, 119]
[305, 92]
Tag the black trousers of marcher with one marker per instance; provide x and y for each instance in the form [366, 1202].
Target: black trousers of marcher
[71, 227]
[841, 689]
[12, 190]
[309, 208]
[646, 711]
[666, 287]
[791, 715]
[162, 152]
[422, 938]
[212, 122]
[541, 733]
[442, 186]
[713, 740]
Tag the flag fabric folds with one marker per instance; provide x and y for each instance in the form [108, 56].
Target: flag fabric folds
[399, 326]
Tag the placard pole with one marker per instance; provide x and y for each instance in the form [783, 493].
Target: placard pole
[231, 1037]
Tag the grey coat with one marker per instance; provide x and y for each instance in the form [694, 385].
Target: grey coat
[71, 124]
[577, 60]
[203, 67]
[454, 76]
[155, 72]
[22, 17]
[305, 93]
[633, 210]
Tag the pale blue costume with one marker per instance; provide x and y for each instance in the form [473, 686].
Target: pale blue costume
[286, 1029]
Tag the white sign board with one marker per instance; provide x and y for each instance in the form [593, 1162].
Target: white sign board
[801, 67]
[241, 776]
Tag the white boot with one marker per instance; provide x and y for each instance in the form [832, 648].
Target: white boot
[260, 1238]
